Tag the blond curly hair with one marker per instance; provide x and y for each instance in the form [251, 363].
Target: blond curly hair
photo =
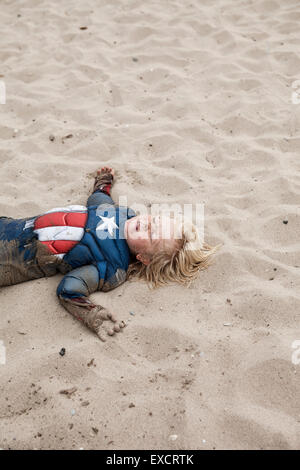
[182, 265]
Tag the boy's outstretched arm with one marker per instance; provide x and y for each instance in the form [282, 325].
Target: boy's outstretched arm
[73, 293]
[76, 286]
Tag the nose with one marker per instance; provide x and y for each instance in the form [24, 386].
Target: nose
[146, 221]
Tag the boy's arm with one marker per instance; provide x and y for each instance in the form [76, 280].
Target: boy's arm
[102, 187]
[73, 293]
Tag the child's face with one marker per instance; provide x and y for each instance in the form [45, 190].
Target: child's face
[146, 234]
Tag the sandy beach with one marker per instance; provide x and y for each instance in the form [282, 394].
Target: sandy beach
[190, 102]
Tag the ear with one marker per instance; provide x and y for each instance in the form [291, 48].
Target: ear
[143, 258]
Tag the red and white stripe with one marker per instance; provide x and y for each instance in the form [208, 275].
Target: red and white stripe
[62, 228]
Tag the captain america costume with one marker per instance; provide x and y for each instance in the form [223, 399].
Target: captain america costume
[87, 244]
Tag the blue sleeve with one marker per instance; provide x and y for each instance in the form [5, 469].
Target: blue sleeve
[98, 198]
[80, 282]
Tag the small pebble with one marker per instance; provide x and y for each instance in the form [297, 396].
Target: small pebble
[131, 313]
[227, 324]
[62, 352]
[68, 136]
[51, 137]
[285, 222]
[73, 412]
[173, 437]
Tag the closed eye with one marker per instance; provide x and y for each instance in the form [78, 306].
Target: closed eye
[156, 220]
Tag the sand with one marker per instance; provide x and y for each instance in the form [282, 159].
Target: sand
[190, 102]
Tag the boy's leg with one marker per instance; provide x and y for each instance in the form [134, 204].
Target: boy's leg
[22, 257]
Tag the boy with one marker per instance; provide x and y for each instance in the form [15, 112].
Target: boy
[98, 247]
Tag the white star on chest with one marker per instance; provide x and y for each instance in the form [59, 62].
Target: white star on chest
[108, 223]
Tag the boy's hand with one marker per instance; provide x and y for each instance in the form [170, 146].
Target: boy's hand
[95, 317]
[104, 179]
[102, 330]
[105, 170]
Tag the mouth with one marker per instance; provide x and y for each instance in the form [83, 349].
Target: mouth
[132, 227]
